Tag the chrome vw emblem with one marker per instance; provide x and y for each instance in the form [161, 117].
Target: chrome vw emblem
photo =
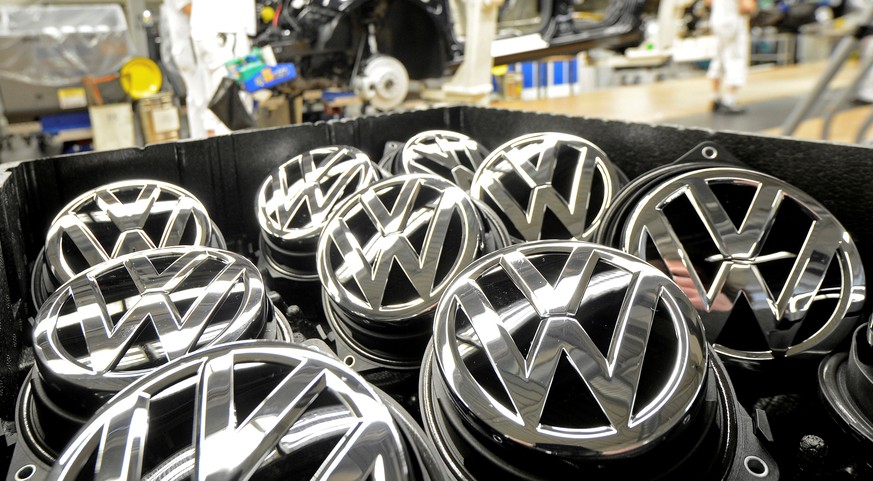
[548, 186]
[623, 331]
[730, 235]
[111, 324]
[390, 251]
[296, 199]
[122, 218]
[231, 411]
[450, 155]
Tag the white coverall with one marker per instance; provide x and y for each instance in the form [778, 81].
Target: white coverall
[220, 30]
[177, 26]
[731, 29]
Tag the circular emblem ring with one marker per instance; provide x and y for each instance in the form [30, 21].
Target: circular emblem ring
[110, 325]
[390, 250]
[731, 236]
[122, 218]
[296, 200]
[548, 186]
[450, 155]
[507, 323]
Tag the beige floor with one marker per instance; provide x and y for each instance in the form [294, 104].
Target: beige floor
[685, 97]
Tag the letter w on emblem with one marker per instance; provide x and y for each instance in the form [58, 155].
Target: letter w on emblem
[739, 255]
[107, 344]
[612, 379]
[130, 219]
[319, 203]
[528, 220]
[370, 264]
[444, 153]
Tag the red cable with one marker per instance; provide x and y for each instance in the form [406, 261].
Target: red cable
[276, 17]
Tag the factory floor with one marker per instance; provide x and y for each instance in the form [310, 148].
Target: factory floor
[771, 93]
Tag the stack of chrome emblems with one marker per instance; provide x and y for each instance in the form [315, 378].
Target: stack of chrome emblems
[386, 249]
[144, 343]
[543, 349]
[525, 365]
[129, 281]
[120, 320]
[389, 252]
[468, 286]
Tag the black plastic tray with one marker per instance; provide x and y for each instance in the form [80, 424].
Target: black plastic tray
[224, 173]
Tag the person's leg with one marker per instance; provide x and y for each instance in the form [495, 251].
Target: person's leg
[212, 51]
[730, 95]
[715, 72]
[195, 102]
[865, 89]
[736, 68]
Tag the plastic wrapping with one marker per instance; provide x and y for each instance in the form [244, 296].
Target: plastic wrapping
[58, 45]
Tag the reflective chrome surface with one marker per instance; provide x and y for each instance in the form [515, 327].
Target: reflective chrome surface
[548, 186]
[506, 324]
[448, 154]
[115, 322]
[730, 235]
[294, 202]
[122, 218]
[236, 411]
[390, 250]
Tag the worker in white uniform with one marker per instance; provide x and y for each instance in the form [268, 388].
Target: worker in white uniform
[729, 20]
[176, 30]
[220, 30]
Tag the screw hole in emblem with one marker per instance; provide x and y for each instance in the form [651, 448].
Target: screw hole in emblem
[756, 466]
[709, 152]
[25, 472]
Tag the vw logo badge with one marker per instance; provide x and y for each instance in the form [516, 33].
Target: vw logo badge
[450, 155]
[119, 219]
[118, 321]
[771, 271]
[548, 186]
[246, 410]
[569, 348]
[389, 252]
[113, 323]
[295, 201]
